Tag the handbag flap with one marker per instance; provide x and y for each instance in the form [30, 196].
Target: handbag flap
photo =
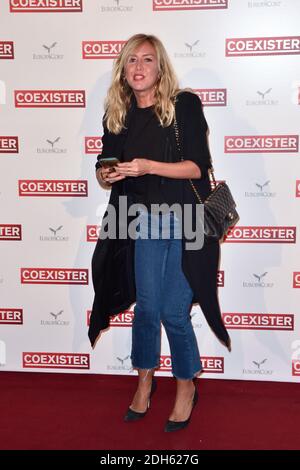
[220, 201]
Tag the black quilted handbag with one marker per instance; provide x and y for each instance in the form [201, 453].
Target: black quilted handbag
[219, 207]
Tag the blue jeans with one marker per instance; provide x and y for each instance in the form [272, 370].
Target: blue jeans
[163, 294]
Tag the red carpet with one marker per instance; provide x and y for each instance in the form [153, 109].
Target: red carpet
[70, 411]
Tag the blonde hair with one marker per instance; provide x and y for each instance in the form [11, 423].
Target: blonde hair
[120, 94]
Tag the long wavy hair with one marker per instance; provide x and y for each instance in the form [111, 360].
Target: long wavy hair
[119, 96]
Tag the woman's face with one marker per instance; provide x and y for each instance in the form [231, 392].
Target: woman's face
[141, 69]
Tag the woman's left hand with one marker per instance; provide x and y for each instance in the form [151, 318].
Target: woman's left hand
[137, 167]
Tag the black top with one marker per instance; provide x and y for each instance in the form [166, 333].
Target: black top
[146, 139]
[192, 133]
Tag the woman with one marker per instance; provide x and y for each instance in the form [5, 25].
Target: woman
[160, 274]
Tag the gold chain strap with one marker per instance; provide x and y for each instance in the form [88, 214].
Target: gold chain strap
[211, 175]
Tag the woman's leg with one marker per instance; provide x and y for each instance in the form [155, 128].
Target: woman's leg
[150, 257]
[141, 397]
[175, 316]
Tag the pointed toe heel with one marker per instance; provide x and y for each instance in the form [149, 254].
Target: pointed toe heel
[132, 415]
[177, 425]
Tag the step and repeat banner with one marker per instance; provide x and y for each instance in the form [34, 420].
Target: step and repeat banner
[242, 58]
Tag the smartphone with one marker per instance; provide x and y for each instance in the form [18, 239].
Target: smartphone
[108, 162]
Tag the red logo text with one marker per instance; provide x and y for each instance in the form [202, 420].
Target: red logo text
[189, 4]
[263, 143]
[49, 98]
[296, 367]
[262, 46]
[6, 50]
[258, 321]
[296, 280]
[43, 6]
[220, 278]
[92, 233]
[45, 360]
[261, 235]
[50, 188]
[10, 232]
[9, 144]
[122, 319]
[11, 316]
[101, 49]
[212, 96]
[93, 145]
[54, 276]
[213, 365]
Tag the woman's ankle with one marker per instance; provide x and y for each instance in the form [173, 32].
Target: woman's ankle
[145, 377]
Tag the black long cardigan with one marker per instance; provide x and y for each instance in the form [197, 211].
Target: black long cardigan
[113, 259]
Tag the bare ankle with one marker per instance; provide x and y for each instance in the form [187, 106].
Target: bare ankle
[145, 377]
[184, 386]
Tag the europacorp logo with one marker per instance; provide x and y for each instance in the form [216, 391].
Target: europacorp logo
[55, 234]
[261, 189]
[52, 146]
[190, 50]
[48, 52]
[262, 97]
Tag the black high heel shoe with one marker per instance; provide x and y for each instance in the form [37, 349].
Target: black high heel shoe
[177, 425]
[132, 415]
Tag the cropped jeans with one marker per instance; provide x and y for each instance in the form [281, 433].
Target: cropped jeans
[163, 295]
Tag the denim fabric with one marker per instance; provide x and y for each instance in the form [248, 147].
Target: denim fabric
[163, 294]
[158, 226]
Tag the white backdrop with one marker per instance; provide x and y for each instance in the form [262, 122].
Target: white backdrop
[242, 57]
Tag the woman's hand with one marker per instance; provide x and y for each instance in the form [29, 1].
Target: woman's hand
[108, 175]
[137, 167]
[143, 166]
